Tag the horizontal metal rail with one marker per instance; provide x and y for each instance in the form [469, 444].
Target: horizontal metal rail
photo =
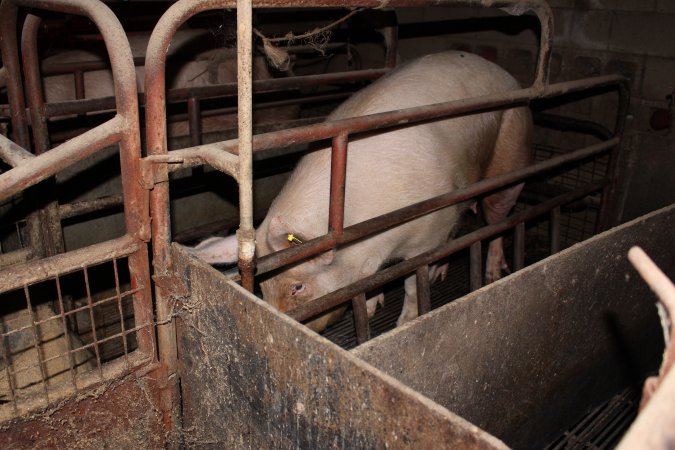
[381, 223]
[34, 271]
[404, 117]
[345, 294]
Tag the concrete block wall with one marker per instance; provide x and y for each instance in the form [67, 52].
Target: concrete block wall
[635, 38]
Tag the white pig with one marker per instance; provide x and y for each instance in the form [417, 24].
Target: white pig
[387, 171]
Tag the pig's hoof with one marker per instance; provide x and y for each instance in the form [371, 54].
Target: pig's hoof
[493, 274]
[440, 273]
[405, 317]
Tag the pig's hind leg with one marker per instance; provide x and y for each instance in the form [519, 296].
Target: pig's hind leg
[513, 151]
[410, 307]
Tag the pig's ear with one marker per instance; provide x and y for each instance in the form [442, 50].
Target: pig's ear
[277, 234]
[217, 250]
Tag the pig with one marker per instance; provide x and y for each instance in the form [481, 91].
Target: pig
[197, 65]
[389, 170]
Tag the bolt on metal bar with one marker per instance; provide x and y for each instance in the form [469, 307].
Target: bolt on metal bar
[389, 220]
[361, 318]
[340, 296]
[475, 266]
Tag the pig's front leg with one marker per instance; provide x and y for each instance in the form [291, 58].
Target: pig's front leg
[409, 311]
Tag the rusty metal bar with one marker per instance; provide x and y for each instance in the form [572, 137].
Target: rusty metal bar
[36, 341]
[519, 246]
[321, 304]
[410, 116]
[475, 266]
[92, 319]
[10, 60]
[423, 289]
[66, 333]
[338, 175]
[361, 318]
[554, 230]
[386, 221]
[608, 194]
[246, 232]
[50, 234]
[13, 154]
[17, 276]
[49, 163]
[75, 209]
[3, 77]
[195, 121]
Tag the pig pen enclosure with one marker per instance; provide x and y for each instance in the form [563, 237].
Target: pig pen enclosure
[132, 136]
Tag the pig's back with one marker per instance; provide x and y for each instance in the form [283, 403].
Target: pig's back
[435, 78]
[389, 170]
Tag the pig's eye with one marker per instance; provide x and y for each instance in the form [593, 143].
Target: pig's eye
[297, 288]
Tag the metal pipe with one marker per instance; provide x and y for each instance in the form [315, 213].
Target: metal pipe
[554, 230]
[361, 325]
[50, 163]
[476, 266]
[10, 59]
[389, 220]
[519, 246]
[411, 116]
[15, 277]
[321, 304]
[423, 289]
[13, 154]
[50, 234]
[75, 209]
[338, 175]
[195, 121]
[245, 233]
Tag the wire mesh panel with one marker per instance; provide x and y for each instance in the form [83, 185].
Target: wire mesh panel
[61, 334]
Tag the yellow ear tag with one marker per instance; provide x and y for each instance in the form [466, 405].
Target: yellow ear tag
[292, 239]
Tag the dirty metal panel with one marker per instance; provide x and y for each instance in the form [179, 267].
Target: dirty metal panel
[119, 414]
[253, 378]
[529, 355]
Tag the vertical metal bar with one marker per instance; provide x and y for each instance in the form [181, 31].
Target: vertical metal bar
[423, 290]
[10, 61]
[338, 175]
[195, 120]
[120, 309]
[66, 333]
[79, 84]
[361, 318]
[6, 352]
[476, 266]
[519, 246]
[49, 231]
[604, 220]
[36, 339]
[390, 33]
[245, 233]
[93, 322]
[555, 230]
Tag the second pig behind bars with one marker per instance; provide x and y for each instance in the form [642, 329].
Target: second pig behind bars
[390, 170]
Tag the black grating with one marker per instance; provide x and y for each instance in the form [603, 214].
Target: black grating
[603, 427]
